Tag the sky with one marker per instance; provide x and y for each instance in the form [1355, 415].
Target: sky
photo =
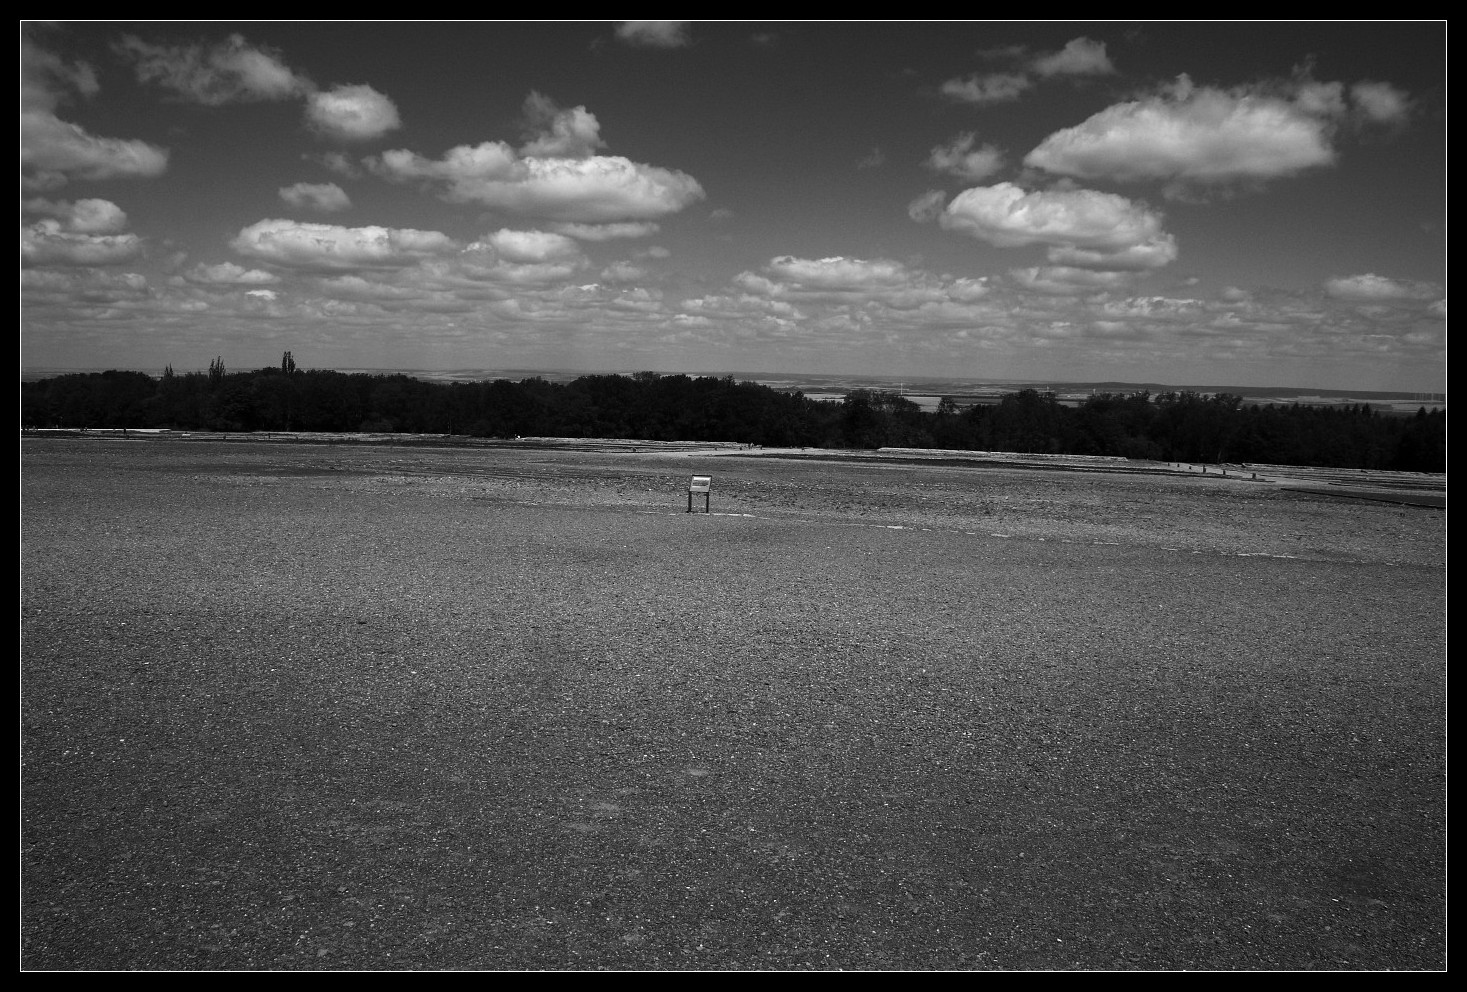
[1194, 203]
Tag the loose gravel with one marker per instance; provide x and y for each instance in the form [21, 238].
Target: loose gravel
[319, 707]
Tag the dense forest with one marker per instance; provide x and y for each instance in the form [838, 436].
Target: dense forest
[1173, 426]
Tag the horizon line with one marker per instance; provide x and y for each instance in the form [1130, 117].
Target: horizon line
[975, 380]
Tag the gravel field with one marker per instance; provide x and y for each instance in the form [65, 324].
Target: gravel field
[306, 706]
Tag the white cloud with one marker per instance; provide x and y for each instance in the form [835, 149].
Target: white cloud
[606, 232]
[1192, 134]
[325, 197]
[1371, 287]
[352, 113]
[337, 163]
[874, 159]
[655, 34]
[462, 168]
[598, 189]
[89, 216]
[229, 274]
[1065, 281]
[1080, 57]
[1318, 98]
[532, 246]
[231, 72]
[516, 258]
[534, 273]
[353, 287]
[928, 206]
[967, 290]
[1381, 103]
[623, 272]
[1151, 254]
[999, 87]
[845, 289]
[836, 272]
[47, 80]
[959, 158]
[324, 246]
[53, 152]
[46, 243]
[1007, 216]
[84, 285]
[558, 133]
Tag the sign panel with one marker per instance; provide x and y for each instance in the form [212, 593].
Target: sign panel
[701, 484]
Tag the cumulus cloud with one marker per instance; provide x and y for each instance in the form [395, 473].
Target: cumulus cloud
[235, 71]
[352, 287]
[518, 274]
[606, 232]
[655, 34]
[623, 272]
[532, 246]
[232, 71]
[1152, 254]
[1006, 216]
[89, 216]
[47, 243]
[839, 302]
[1371, 288]
[325, 246]
[597, 189]
[959, 158]
[1381, 103]
[850, 285]
[1080, 57]
[460, 170]
[86, 285]
[336, 162]
[1319, 98]
[836, 272]
[928, 206]
[228, 274]
[1063, 280]
[998, 87]
[351, 113]
[325, 197]
[47, 80]
[1195, 134]
[507, 257]
[557, 133]
[52, 152]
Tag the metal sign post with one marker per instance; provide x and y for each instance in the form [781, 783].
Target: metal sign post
[700, 484]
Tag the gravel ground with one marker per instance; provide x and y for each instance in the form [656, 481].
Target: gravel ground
[293, 707]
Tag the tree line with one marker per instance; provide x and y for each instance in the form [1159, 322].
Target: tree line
[1172, 426]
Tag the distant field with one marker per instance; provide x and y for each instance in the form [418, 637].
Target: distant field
[365, 706]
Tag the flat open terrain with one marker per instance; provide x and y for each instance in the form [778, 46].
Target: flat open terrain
[308, 706]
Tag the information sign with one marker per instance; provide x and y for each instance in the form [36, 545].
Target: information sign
[700, 484]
